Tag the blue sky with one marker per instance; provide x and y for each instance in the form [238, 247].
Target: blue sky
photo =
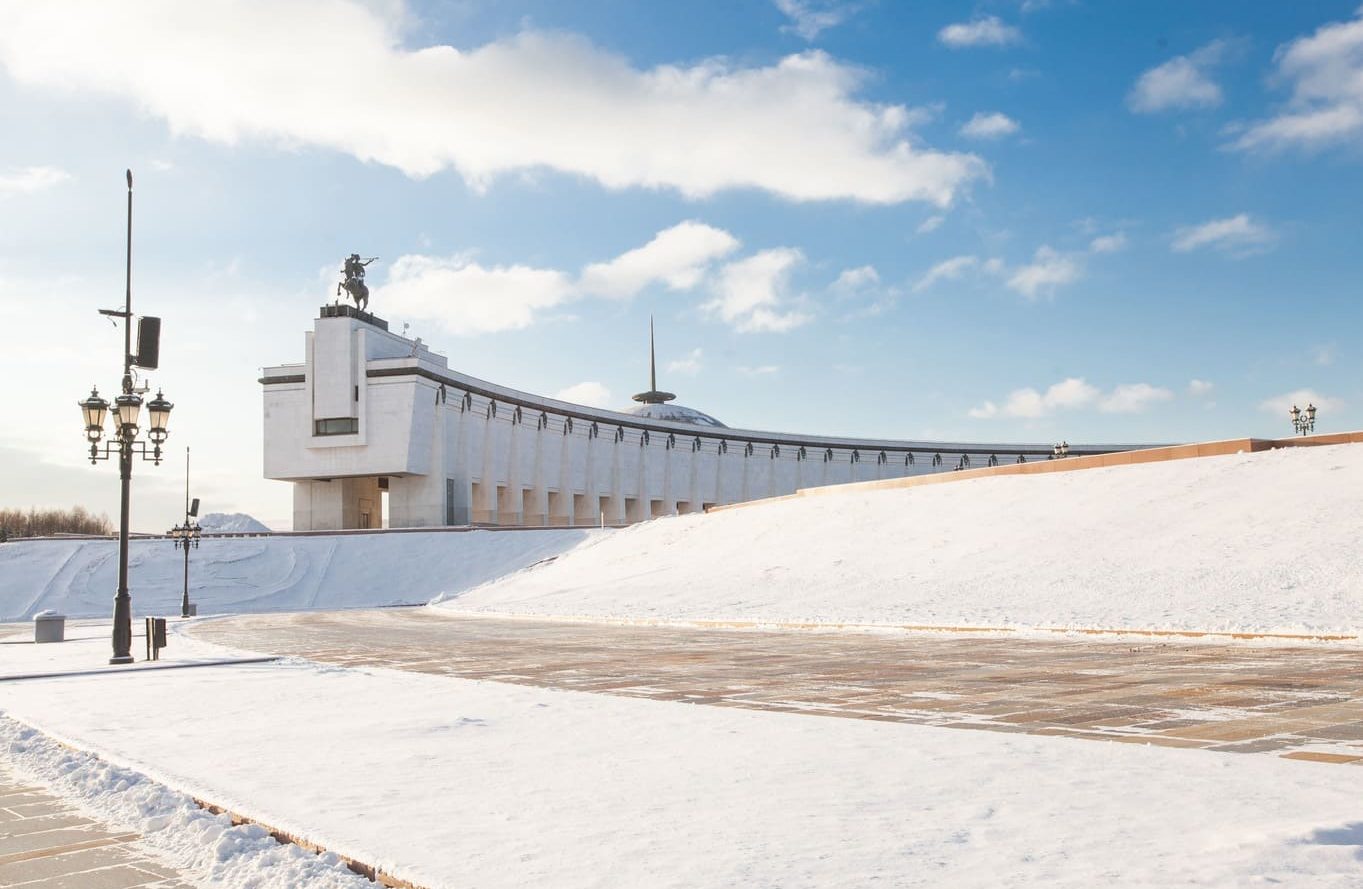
[1001, 221]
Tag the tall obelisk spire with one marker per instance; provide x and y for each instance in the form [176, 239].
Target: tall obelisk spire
[653, 396]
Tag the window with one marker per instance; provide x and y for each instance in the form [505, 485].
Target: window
[336, 426]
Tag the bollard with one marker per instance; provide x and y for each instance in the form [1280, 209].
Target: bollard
[156, 637]
[49, 626]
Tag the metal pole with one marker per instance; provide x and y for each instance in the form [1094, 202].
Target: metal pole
[184, 603]
[123, 611]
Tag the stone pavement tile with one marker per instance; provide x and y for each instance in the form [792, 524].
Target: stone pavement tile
[117, 877]
[17, 845]
[50, 845]
[1087, 688]
[17, 872]
[1311, 756]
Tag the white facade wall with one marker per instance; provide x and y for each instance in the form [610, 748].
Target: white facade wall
[453, 450]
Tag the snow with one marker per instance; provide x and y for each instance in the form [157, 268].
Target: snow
[1263, 542]
[173, 827]
[450, 782]
[283, 573]
[231, 522]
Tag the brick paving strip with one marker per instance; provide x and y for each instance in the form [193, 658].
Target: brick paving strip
[46, 844]
[1297, 701]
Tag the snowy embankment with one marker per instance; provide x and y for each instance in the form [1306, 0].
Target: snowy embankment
[172, 825]
[78, 577]
[450, 783]
[1264, 542]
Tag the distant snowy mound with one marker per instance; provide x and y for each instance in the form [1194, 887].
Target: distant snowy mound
[231, 523]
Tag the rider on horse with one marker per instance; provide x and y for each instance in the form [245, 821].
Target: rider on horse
[354, 280]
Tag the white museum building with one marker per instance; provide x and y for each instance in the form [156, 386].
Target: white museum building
[373, 424]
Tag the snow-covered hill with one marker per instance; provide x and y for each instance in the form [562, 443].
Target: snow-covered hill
[78, 577]
[231, 523]
[1259, 542]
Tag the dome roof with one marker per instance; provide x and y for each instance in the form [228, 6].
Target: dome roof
[675, 412]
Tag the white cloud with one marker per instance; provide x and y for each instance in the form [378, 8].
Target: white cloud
[690, 365]
[931, 224]
[1281, 404]
[590, 393]
[993, 125]
[1326, 73]
[762, 370]
[27, 180]
[1073, 393]
[1047, 271]
[1108, 243]
[1198, 388]
[809, 17]
[852, 281]
[986, 31]
[1133, 398]
[1182, 82]
[1238, 235]
[861, 286]
[466, 297]
[946, 270]
[334, 74]
[751, 294]
[677, 256]
[1068, 394]
[1323, 355]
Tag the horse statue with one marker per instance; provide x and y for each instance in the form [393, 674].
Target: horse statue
[354, 285]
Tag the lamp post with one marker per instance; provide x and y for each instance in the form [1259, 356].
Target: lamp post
[123, 441]
[1303, 421]
[186, 534]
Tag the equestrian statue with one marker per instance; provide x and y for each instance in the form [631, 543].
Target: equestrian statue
[353, 284]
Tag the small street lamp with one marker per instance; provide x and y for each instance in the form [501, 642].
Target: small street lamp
[186, 534]
[123, 441]
[1060, 450]
[1303, 421]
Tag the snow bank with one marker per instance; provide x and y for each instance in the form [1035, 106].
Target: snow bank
[231, 522]
[453, 783]
[190, 839]
[78, 577]
[1249, 542]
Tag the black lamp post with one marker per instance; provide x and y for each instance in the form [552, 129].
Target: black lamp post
[186, 534]
[123, 441]
[1303, 421]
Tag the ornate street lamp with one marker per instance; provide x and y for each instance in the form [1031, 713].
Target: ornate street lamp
[1303, 421]
[186, 534]
[123, 441]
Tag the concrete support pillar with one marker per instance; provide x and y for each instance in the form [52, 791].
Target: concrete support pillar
[615, 506]
[539, 509]
[561, 502]
[485, 507]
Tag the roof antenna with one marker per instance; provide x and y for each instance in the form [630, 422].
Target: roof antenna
[653, 396]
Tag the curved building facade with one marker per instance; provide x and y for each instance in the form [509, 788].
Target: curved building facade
[372, 423]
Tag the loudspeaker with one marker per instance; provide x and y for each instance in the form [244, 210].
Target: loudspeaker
[194, 507]
[148, 342]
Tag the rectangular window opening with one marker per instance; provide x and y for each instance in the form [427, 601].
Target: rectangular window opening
[336, 426]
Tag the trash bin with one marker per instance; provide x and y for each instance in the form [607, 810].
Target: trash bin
[49, 626]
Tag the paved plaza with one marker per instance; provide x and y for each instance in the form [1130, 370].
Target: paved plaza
[46, 844]
[1301, 702]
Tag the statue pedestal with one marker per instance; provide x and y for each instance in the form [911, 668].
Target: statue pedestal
[345, 310]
